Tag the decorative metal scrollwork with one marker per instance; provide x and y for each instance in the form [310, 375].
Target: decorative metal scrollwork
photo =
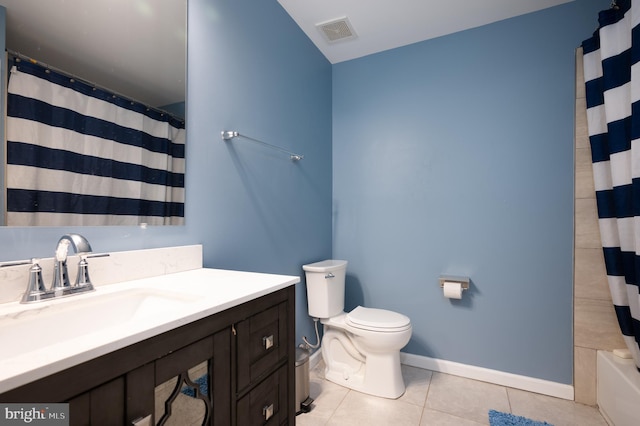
[198, 389]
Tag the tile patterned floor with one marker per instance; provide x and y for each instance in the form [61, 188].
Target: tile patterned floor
[437, 399]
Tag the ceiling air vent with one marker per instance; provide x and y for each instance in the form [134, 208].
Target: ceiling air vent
[336, 30]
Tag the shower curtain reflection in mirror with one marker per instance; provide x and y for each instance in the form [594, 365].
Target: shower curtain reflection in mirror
[78, 155]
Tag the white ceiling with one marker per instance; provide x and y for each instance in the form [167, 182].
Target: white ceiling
[133, 47]
[385, 24]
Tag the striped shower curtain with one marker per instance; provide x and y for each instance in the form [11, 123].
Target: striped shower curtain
[612, 77]
[77, 155]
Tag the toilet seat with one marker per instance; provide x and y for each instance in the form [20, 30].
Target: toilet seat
[377, 320]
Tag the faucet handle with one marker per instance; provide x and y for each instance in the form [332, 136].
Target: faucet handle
[82, 277]
[35, 287]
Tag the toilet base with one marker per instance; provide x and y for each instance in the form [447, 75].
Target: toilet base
[376, 374]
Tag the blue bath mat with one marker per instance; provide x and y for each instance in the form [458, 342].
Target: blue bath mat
[498, 418]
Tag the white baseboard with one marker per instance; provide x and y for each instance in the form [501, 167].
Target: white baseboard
[531, 384]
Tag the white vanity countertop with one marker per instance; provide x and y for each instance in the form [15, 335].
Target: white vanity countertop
[42, 338]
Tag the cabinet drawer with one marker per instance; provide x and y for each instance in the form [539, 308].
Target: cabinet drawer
[262, 343]
[266, 404]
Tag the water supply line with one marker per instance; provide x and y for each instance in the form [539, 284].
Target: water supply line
[317, 345]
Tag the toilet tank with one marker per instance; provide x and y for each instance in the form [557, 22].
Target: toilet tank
[325, 287]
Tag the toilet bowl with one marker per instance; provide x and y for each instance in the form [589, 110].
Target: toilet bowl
[361, 348]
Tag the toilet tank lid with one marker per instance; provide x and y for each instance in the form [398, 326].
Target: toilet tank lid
[325, 265]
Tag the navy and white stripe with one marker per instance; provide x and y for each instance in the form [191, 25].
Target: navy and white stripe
[79, 155]
[612, 78]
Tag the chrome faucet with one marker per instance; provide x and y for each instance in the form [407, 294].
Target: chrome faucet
[61, 286]
[80, 246]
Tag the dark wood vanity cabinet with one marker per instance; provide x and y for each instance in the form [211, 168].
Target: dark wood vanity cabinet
[235, 367]
[263, 395]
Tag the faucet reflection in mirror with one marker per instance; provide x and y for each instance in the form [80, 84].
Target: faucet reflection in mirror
[123, 161]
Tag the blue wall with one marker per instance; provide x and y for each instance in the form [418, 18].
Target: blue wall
[250, 69]
[455, 156]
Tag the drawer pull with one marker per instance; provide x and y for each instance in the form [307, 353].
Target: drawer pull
[267, 412]
[267, 342]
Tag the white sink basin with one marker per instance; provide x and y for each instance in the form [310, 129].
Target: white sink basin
[47, 323]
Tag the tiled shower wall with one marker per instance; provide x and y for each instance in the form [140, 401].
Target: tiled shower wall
[595, 325]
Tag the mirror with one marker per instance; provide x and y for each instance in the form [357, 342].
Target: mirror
[134, 48]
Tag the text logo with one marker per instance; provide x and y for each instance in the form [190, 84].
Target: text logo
[34, 414]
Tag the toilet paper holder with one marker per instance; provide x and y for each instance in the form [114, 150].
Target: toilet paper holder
[464, 281]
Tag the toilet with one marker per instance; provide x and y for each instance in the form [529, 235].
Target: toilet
[361, 349]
